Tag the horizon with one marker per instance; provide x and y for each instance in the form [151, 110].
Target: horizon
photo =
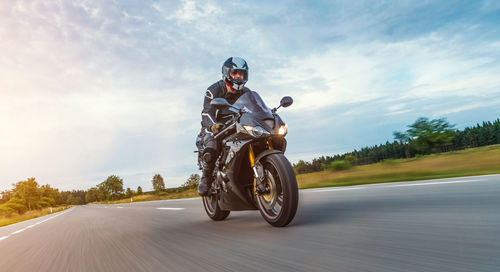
[93, 89]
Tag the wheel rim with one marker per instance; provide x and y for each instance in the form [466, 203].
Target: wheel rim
[271, 203]
[210, 203]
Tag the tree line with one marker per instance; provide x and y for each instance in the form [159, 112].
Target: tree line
[29, 195]
[423, 137]
[112, 188]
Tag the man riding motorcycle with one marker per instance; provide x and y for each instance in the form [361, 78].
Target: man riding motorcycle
[231, 87]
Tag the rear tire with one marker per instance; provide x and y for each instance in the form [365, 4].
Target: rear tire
[279, 205]
[212, 208]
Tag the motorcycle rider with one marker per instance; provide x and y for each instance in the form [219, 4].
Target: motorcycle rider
[230, 87]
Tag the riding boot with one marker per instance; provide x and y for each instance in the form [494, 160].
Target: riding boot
[205, 182]
[210, 154]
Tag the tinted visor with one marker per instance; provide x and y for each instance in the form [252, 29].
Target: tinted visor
[238, 74]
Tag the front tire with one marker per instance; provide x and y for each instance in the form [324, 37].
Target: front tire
[212, 208]
[279, 205]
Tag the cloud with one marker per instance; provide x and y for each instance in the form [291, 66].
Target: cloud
[93, 88]
[194, 11]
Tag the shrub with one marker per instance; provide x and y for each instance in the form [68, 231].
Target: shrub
[46, 202]
[339, 165]
[6, 211]
[15, 204]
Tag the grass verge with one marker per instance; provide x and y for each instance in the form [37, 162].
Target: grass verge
[469, 162]
[152, 197]
[29, 215]
[474, 161]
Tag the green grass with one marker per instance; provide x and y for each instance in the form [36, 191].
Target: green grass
[469, 162]
[29, 215]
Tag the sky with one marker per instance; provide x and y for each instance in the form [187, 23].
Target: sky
[95, 88]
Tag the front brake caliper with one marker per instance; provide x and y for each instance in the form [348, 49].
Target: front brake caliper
[259, 173]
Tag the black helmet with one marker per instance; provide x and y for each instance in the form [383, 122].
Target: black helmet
[235, 64]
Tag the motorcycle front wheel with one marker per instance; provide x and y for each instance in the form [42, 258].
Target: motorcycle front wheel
[212, 208]
[279, 204]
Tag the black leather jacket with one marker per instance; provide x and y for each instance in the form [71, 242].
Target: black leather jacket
[216, 90]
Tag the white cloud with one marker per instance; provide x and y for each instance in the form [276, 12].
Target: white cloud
[194, 11]
[94, 88]
[469, 106]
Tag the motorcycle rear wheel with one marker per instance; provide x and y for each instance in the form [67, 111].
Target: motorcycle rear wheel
[279, 205]
[212, 208]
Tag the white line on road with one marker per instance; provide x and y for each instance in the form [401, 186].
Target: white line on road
[173, 209]
[434, 183]
[30, 226]
[336, 189]
[21, 230]
[385, 185]
[119, 207]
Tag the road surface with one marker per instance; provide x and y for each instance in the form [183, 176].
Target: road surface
[432, 225]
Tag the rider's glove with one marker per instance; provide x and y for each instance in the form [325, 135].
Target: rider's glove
[215, 128]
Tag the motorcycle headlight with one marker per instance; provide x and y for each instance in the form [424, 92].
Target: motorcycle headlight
[282, 130]
[255, 131]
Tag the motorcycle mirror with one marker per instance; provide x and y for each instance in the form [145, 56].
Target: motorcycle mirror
[286, 101]
[219, 103]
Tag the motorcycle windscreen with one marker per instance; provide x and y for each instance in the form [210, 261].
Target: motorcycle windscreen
[254, 105]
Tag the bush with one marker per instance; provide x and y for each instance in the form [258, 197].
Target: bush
[6, 211]
[339, 165]
[46, 202]
[15, 204]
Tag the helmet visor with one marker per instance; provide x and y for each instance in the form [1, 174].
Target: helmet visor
[239, 75]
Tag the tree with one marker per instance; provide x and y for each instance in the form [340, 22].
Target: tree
[50, 192]
[6, 196]
[92, 195]
[139, 190]
[129, 193]
[429, 135]
[403, 139]
[192, 182]
[112, 187]
[158, 184]
[29, 192]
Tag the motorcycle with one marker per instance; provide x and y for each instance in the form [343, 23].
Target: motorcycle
[251, 172]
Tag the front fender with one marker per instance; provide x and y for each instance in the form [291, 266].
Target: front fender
[266, 153]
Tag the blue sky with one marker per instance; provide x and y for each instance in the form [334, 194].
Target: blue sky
[94, 88]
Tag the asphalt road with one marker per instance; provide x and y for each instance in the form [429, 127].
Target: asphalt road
[433, 225]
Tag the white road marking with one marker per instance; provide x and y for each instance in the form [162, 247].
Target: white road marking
[173, 209]
[21, 230]
[336, 189]
[434, 183]
[119, 207]
[385, 185]
[37, 223]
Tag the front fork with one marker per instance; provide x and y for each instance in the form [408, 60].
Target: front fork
[258, 170]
